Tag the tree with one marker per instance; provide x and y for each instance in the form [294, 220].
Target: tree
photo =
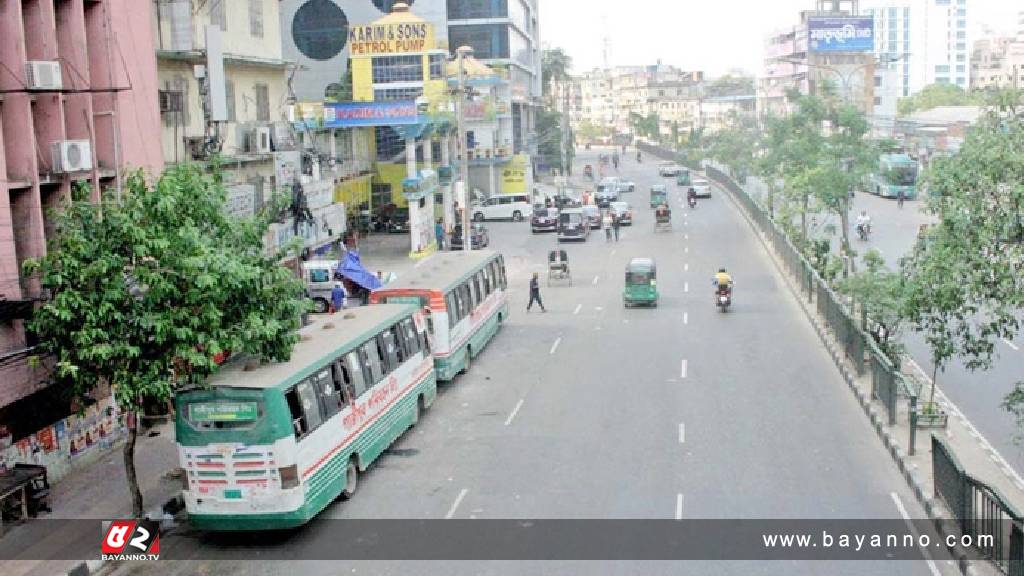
[735, 145]
[966, 276]
[549, 136]
[590, 132]
[555, 66]
[647, 126]
[935, 95]
[143, 293]
[729, 85]
[880, 294]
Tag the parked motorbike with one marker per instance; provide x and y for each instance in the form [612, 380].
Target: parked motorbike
[723, 298]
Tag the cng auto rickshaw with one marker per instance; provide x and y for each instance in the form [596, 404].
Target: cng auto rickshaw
[659, 195]
[683, 177]
[641, 283]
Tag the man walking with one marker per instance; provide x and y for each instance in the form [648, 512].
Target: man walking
[616, 222]
[535, 293]
[439, 234]
[337, 298]
[900, 196]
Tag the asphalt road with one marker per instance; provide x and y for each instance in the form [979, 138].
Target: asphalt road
[592, 411]
[979, 395]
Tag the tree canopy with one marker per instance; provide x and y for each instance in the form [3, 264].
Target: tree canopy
[555, 66]
[144, 291]
[935, 95]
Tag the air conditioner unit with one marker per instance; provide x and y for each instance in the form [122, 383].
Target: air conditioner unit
[71, 156]
[43, 75]
[259, 140]
[170, 101]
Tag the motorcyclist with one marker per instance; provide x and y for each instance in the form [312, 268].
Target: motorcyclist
[691, 196]
[722, 279]
[863, 224]
[638, 157]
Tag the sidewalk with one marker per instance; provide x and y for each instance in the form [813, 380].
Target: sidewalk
[100, 492]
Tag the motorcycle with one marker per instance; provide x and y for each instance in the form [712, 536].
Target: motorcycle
[723, 298]
[863, 231]
[692, 201]
[638, 158]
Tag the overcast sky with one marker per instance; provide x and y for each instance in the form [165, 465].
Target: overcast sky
[710, 35]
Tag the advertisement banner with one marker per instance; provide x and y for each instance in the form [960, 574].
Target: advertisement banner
[849, 34]
[391, 38]
[352, 114]
[513, 176]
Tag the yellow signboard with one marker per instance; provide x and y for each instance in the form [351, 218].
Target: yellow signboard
[513, 176]
[391, 38]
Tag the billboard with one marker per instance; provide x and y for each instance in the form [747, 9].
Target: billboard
[352, 114]
[391, 38]
[847, 34]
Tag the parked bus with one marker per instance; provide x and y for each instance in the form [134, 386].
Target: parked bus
[268, 446]
[466, 297]
[895, 172]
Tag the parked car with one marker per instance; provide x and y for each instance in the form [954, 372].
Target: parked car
[623, 211]
[513, 207]
[669, 169]
[618, 184]
[573, 225]
[478, 237]
[320, 279]
[544, 220]
[399, 223]
[701, 187]
[593, 214]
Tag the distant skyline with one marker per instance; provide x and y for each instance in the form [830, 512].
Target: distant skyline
[715, 37]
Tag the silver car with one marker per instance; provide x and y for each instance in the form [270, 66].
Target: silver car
[701, 188]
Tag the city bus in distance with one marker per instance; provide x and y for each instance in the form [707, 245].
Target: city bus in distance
[268, 446]
[465, 296]
[895, 172]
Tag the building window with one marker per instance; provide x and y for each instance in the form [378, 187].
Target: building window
[392, 94]
[229, 96]
[388, 69]
[380, 195]
[218, 13]
[878, 81]
[437, 63]
[878, 100]
[942, 69]
[256, 18]
[262, 102]
[320, 29]
[469, 9]
[489, 41]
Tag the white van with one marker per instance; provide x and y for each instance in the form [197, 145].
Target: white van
[319, 277]
[515, 207]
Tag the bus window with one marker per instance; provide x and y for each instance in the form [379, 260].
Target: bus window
[359, 372]
[371, 356]
[310, 404]
[485, 280]
[299, 426]
[501, 269]
[451, 301]
[412, 339]
[393, 352]
[465, 300]
[330, 395]
[478, 295]
[343, 382]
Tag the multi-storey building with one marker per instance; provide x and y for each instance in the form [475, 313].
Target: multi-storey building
[77, 106]
[785, 68]
[999, 62]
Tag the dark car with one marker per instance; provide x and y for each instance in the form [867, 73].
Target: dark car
[478, 237]
[399, 223]
[573, 225]
[605, 196]
[593, 214]
[544, 220]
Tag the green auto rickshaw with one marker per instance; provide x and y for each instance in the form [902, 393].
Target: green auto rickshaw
[683, 177]
[659, 195]
[641, 283]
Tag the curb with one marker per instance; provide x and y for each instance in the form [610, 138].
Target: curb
[911, 476]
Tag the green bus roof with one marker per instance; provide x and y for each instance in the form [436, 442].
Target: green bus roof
[443, 271]
[318, 344]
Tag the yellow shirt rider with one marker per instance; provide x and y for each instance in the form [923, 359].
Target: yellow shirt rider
[723, 278]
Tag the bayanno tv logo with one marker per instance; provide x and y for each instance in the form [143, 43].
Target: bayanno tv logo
[131, 540]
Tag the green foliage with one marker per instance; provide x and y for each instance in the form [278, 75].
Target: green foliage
[549, 130]
[735, 145]
[880, 293]
[590, 132]
[935, 95]
[555, 66]
[143, 293]
[729, 85]
[646, 126]
[966, 277]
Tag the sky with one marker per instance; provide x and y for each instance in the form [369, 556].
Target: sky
[710, 35]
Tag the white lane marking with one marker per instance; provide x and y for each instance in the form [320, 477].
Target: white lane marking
[686, 286]
[595, 280]
[686, 250]
[613, 252]
[682, 369]
[686, 236]
[682, 433]
[686, 317]
[906, 518]
[578, 308]
[455, 505]
[555, 345]
[514, 412]
[679, 506]
[686, 267]
[1011, 345]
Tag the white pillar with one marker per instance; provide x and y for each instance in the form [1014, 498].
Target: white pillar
[492, 179]
[448, 205]
[446, 150]
[410, 158]
[428, 153]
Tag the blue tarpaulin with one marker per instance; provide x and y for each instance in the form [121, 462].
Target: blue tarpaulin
[352, 268]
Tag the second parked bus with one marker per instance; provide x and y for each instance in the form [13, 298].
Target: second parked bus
[466, 297]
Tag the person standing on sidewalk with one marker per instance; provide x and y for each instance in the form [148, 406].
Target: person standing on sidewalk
[439, 233]
[535, 293]
[337, 297]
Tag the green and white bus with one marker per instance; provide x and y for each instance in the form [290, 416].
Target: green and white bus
[268, 446]
[896, 173]
[465, 298]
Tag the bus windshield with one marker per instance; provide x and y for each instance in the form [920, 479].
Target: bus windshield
[902, 175]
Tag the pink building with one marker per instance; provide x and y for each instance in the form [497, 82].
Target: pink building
[78, 103]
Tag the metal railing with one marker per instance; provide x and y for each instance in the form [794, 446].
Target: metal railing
[980, 510]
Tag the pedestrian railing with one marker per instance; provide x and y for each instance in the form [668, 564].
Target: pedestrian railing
[980, 511]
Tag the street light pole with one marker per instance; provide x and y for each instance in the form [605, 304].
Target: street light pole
[462, 52]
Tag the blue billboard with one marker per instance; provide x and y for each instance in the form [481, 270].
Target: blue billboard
[845, 34]
[390, 113]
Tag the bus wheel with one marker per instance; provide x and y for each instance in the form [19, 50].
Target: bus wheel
[351, 479]
[469, 360]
